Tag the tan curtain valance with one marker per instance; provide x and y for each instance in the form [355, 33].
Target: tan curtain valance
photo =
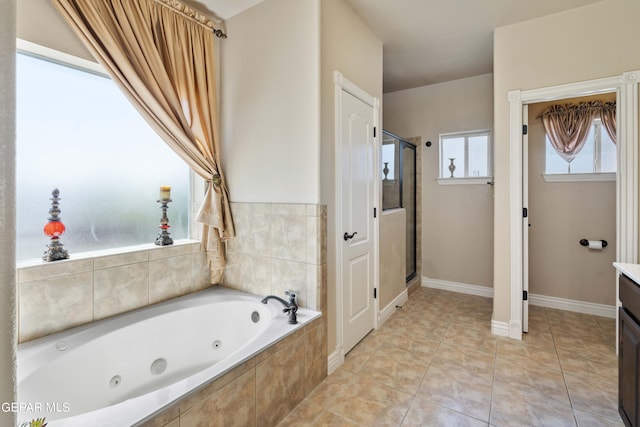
[164, 63]
[568, 125]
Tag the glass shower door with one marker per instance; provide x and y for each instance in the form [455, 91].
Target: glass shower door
[399, 188]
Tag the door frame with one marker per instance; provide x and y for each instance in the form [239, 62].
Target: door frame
[625, 86]
[341, 84]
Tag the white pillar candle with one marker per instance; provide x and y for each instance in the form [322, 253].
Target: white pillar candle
[165, 192]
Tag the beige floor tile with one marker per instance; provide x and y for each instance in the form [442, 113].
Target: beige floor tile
[418, 349]
[513, 409]
[325, 418]
[479, 358]
[604, 368]
[424, 412]
[458, 391]
[586, 419]
[436, 363]
[599, 398]
[521, 352]
[537, 337]
[530, 381]
[395, 368]
[461, 336]
[359, 399]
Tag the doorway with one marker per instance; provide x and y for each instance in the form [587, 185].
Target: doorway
[569, 199]
[356, 213]
[626, 88]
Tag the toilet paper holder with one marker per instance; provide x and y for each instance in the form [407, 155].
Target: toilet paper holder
[585, 242]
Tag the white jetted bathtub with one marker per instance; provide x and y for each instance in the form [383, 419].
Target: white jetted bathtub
[121, 370]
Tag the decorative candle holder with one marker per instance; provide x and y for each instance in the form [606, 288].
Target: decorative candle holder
[54, 229]
[164, 237]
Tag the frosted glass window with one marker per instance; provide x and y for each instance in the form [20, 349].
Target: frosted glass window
[598, 155]
[468, 152]
[77, 132]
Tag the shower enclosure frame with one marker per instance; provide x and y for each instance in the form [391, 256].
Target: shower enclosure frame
[403, 143]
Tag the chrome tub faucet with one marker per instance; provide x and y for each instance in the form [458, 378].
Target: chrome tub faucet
[291, 307]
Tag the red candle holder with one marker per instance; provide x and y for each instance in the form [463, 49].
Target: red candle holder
[54, 229]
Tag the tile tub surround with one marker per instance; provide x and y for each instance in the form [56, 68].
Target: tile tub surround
[279, 247]
[54, 296]
[261, 391]
[435, 362]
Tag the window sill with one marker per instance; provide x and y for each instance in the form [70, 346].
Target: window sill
[465, 181]
[580, 177]
[184, 245]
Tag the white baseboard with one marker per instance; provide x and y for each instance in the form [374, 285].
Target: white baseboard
[601, 310]
[463, 288]
[336, 359]
[386, 312]
[500, 328]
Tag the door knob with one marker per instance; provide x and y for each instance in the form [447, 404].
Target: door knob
[348, 236]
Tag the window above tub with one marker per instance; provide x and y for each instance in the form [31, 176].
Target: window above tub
[77, 132]
[465, 157]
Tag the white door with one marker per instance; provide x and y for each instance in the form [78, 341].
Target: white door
[357, 236]
[525, 219]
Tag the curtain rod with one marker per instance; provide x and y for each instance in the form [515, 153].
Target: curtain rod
[193, 15]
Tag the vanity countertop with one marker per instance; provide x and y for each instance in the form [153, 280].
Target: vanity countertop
[632, 271]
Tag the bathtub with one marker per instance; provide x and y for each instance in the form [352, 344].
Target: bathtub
[122, 370]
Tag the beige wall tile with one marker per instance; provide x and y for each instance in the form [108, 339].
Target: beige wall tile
[277, 347]
[120, 259]
[166, 418]
[55, 304]
[280, 380]
[199, 271]
[54, 269]
[120, 289]
[256, 275]
[316, 240]
[289, 275]
[314, 365]
[278, 247]
[314, 280]
[288, 238]
[169, 278]
[234, 269]
[159, 252]
[233, 405]
[289, 209]
[121, 281]
[211, 388]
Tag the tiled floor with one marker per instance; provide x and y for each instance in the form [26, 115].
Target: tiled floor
[435, 363]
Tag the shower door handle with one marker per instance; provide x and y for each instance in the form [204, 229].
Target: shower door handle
[348, 236]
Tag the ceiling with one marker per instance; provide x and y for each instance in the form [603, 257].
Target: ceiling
[432, 41]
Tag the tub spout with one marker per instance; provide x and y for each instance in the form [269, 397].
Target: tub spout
[290, 307]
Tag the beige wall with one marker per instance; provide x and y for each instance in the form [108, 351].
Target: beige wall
[39, 22]
[393, 267]
[350, 47]
[560, 215]
[7, 207]
[270, 74]
[457, 220]
[602, 39]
